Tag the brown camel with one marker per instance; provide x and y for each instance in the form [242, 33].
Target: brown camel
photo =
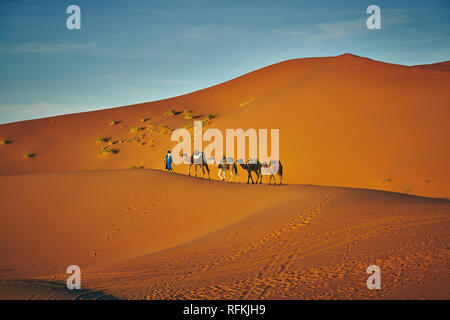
[252, 165]
[198, 159]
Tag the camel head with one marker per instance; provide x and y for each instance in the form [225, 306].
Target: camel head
[186, 157]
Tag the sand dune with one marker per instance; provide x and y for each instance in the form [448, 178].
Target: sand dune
[151, 235]
[103, 216]
[363, 145]
[344, 121]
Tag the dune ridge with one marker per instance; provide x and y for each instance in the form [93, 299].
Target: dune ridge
[344, 121]
[363, 146]
[145, 234]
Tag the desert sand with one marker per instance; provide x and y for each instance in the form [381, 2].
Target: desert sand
[363, 144]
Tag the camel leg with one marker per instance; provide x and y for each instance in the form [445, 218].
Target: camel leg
[231, 178]
[281, 179]
[189, 171]
[195, 170]
[203, 171]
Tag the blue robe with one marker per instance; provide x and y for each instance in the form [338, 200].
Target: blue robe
[168, 160]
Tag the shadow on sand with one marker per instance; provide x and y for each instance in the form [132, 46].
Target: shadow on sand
[46, 290]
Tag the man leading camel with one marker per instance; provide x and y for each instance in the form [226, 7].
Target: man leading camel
[168, 161]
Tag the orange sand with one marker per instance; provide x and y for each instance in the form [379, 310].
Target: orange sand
[344, 121]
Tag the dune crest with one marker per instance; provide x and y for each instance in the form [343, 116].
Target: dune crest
[144, 234]
[344, 121]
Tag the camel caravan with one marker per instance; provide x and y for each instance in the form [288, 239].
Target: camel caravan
[252, 166]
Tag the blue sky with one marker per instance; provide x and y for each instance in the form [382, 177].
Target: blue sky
[142, 50]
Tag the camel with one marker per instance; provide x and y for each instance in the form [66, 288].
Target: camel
[198, 159]
[252, 165]
[271, 169]
[225, 166]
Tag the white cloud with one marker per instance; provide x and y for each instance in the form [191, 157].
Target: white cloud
[341, 28]
[352, 27]
[18, 112]
[45, 48]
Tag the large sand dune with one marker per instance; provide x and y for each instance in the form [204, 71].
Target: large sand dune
[344, 121]
[364, 147]
[152, 235]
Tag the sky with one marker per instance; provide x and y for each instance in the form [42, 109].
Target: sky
[135, 51]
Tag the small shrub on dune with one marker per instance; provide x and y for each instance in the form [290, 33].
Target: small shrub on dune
[188, 114]
[100, 140]
[144, 119]
[29, 155]
[164, 129]
[208, 118]
[106, 151]
[169, 113]
[113, 122]
[136, 129]
[4, 141]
